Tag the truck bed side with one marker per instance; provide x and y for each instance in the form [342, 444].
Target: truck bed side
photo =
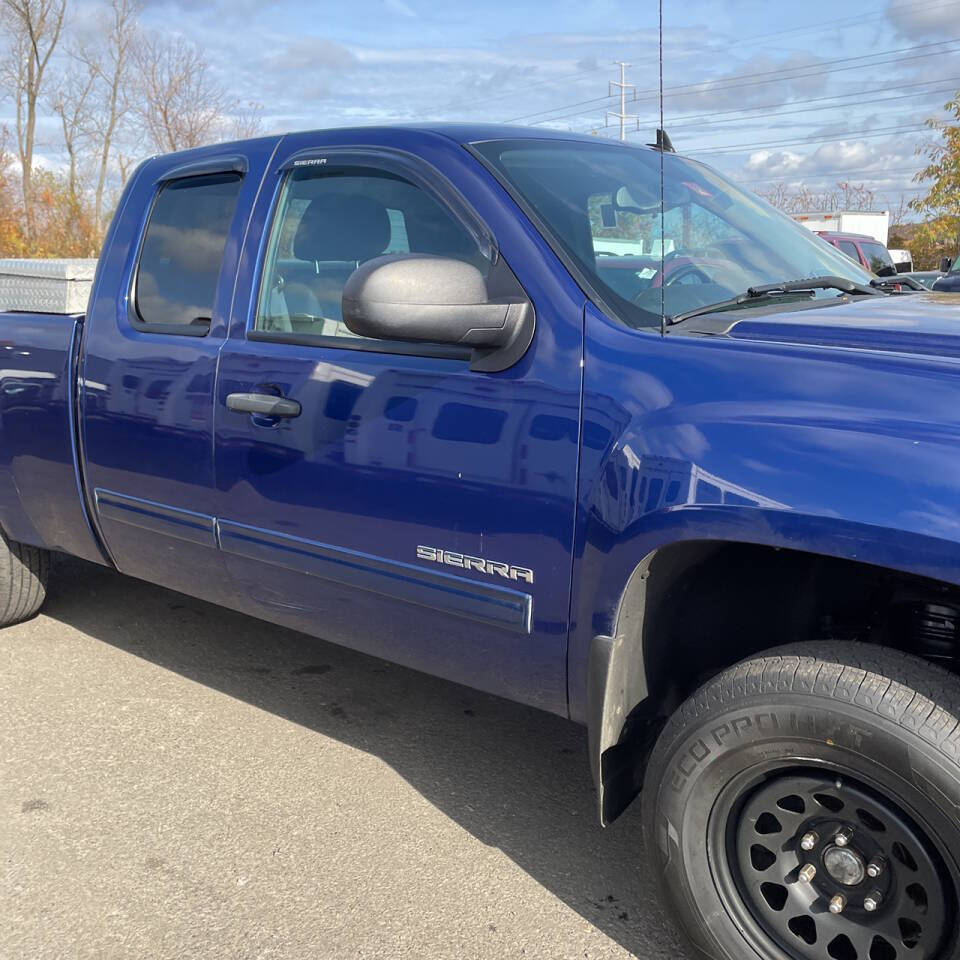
[41, 500]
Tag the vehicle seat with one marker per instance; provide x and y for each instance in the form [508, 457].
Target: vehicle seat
[336, 233]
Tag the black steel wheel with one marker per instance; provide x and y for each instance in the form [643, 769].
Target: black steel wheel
[805, 805]
[830, 869]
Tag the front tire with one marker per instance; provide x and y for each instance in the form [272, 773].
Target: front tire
[805, 805]
[23, 580]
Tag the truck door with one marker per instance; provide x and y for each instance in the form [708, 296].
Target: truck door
[157, 321]
[390, 504]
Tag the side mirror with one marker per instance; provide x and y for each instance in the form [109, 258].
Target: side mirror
[887, 271]
[419, 297]
[945, 264]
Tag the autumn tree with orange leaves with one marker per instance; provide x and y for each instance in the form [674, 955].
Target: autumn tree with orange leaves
[938, 235]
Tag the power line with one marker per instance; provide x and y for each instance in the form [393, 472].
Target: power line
[858, 19]
[813, 185]
[704, 119]
[739, 148]
[837, 65]
[866, 178]
[741, 43]
[730, 83]
[788, 73]
[565, 78]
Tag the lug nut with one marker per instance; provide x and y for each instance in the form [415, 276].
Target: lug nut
[843, 837]
[876, 866]
[872, 901]
[808, 873]
[808, 841]
[838, 904]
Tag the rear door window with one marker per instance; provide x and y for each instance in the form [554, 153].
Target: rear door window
[182, 250]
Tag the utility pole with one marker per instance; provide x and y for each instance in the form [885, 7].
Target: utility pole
[623, 86]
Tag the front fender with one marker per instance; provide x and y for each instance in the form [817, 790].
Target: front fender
[843, 453]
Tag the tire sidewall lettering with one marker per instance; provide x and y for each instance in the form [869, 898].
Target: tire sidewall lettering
[818, 730]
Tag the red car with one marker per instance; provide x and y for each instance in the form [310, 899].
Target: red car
[864, 250]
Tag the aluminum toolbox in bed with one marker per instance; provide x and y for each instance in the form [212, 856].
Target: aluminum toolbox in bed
[46, 286]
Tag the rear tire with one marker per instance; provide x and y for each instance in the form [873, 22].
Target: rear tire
[23, 580]
[756, 778]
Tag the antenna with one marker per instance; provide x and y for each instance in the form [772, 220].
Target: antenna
[662, 141]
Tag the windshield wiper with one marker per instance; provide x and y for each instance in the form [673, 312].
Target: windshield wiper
[893, 284]
[772, 291]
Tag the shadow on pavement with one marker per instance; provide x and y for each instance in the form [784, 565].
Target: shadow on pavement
[515, 778]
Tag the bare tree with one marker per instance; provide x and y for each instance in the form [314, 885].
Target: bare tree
[124, 163]
[778, 195]
[247, 121]
[34, 27]
[179, 104]
[112, 61]
[845, 196]
[856, 196]
[71, 103]
[900, 212]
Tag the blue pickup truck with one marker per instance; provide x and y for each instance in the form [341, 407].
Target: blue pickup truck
[397, 388]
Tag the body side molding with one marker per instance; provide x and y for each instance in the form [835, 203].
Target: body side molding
[157, 517]
[489, 603]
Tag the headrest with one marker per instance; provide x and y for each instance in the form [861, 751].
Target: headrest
[342, 227]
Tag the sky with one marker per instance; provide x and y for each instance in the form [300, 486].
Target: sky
[770, 92]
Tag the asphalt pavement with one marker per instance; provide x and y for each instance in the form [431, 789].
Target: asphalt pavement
[177, 780]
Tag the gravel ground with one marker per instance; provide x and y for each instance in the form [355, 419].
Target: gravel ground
[180, 781]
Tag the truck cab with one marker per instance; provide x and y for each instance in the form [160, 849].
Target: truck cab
[384, 386]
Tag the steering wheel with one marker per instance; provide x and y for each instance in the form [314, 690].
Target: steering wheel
[688, 270]
[667, 277]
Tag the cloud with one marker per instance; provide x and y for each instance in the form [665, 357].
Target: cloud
[920, 21]
[760, 79]
[845, 156]
[885, 167]
[768, 163]
[311, 53]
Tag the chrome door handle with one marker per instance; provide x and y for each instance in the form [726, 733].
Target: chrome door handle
[263, 404]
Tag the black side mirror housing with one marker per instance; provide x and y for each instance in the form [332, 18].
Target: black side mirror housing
[945, 264]
[425, 298]
[887, 271]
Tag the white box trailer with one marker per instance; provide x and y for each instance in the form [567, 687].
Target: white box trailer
[46, 286]
[874, 224]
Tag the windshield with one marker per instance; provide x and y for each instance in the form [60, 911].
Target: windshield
[599, 204]
[877, 254]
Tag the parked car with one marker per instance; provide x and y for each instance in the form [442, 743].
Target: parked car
[949, 280]
[869, 253]
[925, 277]
[376, 385]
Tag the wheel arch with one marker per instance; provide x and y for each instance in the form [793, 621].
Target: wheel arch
[663, 642]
